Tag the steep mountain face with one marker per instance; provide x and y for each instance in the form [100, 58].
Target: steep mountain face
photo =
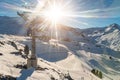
[108, 36]
[11, 25]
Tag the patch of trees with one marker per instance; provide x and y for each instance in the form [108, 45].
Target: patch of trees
[24, 53]
[2, 43]
[16, 53]
[21, 66]
[13, 44]
[26, 50]
[97, 73]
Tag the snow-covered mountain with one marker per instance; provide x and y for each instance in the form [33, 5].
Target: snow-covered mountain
[77, 52]
[11, 25]
[108, 36]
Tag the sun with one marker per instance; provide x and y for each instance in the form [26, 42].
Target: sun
[54, 12]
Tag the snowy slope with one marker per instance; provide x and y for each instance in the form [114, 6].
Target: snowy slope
[57, 60]
[56, 69]
[77, 52]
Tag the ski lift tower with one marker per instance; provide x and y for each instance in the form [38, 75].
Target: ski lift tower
[32, 61]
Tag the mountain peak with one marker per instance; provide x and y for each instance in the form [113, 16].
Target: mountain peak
[114, 25]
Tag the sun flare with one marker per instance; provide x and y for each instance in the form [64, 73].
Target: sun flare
[55, 13]
[50, 14]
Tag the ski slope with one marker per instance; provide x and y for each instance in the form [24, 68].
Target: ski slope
[56, 61]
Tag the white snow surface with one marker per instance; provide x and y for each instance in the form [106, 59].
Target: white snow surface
[63, 58]
[77, 56]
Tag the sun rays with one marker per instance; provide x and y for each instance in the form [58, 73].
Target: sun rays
[51, 13]
[61, 9]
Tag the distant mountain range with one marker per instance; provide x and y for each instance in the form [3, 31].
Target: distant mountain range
[11, 25]
[108, 36]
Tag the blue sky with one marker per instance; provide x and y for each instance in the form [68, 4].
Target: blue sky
[80, 5]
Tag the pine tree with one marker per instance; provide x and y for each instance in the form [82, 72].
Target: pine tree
[26, 50]
[100, 75]
[14, 45]
[93, 71]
